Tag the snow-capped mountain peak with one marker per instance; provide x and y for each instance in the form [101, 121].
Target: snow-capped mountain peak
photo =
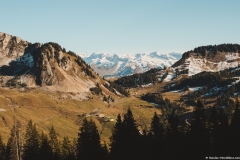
[121, 65]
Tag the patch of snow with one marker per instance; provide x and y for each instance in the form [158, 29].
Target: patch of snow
[195, 88]
[235, 94]
[213, 91]
[147, 85]
[155, 104]
[176, 91]
[197, 65]
[169, 77]
[217, 89]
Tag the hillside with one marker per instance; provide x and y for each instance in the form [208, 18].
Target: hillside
[209, 58]
[45, 65]
[55, 87]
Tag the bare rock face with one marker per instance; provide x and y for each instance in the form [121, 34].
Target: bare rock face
[65, 63]
[11, 47]
[45, 65]
[47, 74]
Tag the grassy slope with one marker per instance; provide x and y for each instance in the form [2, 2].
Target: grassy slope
[47, 109]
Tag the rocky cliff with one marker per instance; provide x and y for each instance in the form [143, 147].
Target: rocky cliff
[11, 47]
[46, 65]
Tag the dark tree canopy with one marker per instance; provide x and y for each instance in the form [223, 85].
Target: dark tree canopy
[31, 146]
[88, 146]
[2, 149]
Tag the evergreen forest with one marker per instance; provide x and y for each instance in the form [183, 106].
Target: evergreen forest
[209, 132]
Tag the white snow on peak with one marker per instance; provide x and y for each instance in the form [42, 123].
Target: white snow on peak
[121, 65]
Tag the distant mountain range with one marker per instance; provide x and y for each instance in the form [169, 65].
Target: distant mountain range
[121, 65]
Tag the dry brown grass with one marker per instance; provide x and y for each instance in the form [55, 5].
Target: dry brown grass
[48, 109]
[172, 96]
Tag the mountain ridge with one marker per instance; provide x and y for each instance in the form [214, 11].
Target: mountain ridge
[122, 65]
[209, 58]
[47, 66]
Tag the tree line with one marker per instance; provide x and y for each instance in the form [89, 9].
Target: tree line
[112, 87]
[213, 49]
[138, 79]
[209, 51]
[209, 132]
[208, 79]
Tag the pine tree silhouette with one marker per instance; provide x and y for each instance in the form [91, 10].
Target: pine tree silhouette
[2, 149]
[68, 152]
[131, 137]
[199, 134]
[156, 137]
[31, 146]
[117, 139]
[54, 143]
[88, 146]
[45, 150]
[235, 131]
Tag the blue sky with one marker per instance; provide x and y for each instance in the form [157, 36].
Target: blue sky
[123, 26]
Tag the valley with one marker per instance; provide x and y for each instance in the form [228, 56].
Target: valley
[55, 88]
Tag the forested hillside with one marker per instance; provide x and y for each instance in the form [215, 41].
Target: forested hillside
[138, 79]
[208, 133]
[208, 79]
[211, 50]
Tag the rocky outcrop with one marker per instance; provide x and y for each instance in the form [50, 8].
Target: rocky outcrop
[11, 47]
[65, 63]
[47, 73]
[45, 65]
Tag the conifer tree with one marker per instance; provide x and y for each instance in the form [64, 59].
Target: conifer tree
[235, 131]
[157, 129]
[131, 137]
[2, 149]
[173, 137]
[156, 136]
[117, 139]
[88, 146]
[125, 138]
[68, 152]
[45, 150]
[14, 145]
[220, 142]
[199, 134]
[130, 126]
[31, 146]
[55, 144]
